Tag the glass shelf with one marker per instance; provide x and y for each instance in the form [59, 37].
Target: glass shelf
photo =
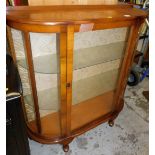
[99, 54]
[82, 90]
[47, 99]
[100, 83]
[47, 64]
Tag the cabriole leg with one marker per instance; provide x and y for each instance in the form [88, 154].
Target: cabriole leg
[65, 144]
[66, 148]
[111, 123]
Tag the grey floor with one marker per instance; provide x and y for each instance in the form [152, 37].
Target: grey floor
[129, 136]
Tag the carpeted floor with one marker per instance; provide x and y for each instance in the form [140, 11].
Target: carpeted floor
[129, 136]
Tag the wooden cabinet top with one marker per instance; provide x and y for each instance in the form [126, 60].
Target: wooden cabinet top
[77, 14]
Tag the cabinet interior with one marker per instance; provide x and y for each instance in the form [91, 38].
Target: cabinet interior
[97, 58]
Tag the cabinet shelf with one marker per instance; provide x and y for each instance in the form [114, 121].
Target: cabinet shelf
[48, 100]
[87, 57]
[98, 106]
[81, 115]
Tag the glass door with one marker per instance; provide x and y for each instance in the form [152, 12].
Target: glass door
[96, 66]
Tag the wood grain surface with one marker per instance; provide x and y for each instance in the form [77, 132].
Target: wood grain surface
[56, 15]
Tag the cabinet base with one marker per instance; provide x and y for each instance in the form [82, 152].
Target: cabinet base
[66, 140]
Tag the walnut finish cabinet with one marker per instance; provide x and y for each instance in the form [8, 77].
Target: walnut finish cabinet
[73, 62]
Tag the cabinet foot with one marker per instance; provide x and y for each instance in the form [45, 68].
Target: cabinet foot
[66, 148]
[111, 123]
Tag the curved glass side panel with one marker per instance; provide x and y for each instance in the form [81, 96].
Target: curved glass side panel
[45, 57]
[18, 42]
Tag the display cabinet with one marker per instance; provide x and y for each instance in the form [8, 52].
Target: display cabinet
[73, 62]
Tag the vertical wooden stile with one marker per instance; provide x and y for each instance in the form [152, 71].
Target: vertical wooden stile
[66, 68]
[70, 47]
[126, 64]
[63, 77]
[32, 78]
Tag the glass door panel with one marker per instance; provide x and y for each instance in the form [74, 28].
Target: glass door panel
[97, 59]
